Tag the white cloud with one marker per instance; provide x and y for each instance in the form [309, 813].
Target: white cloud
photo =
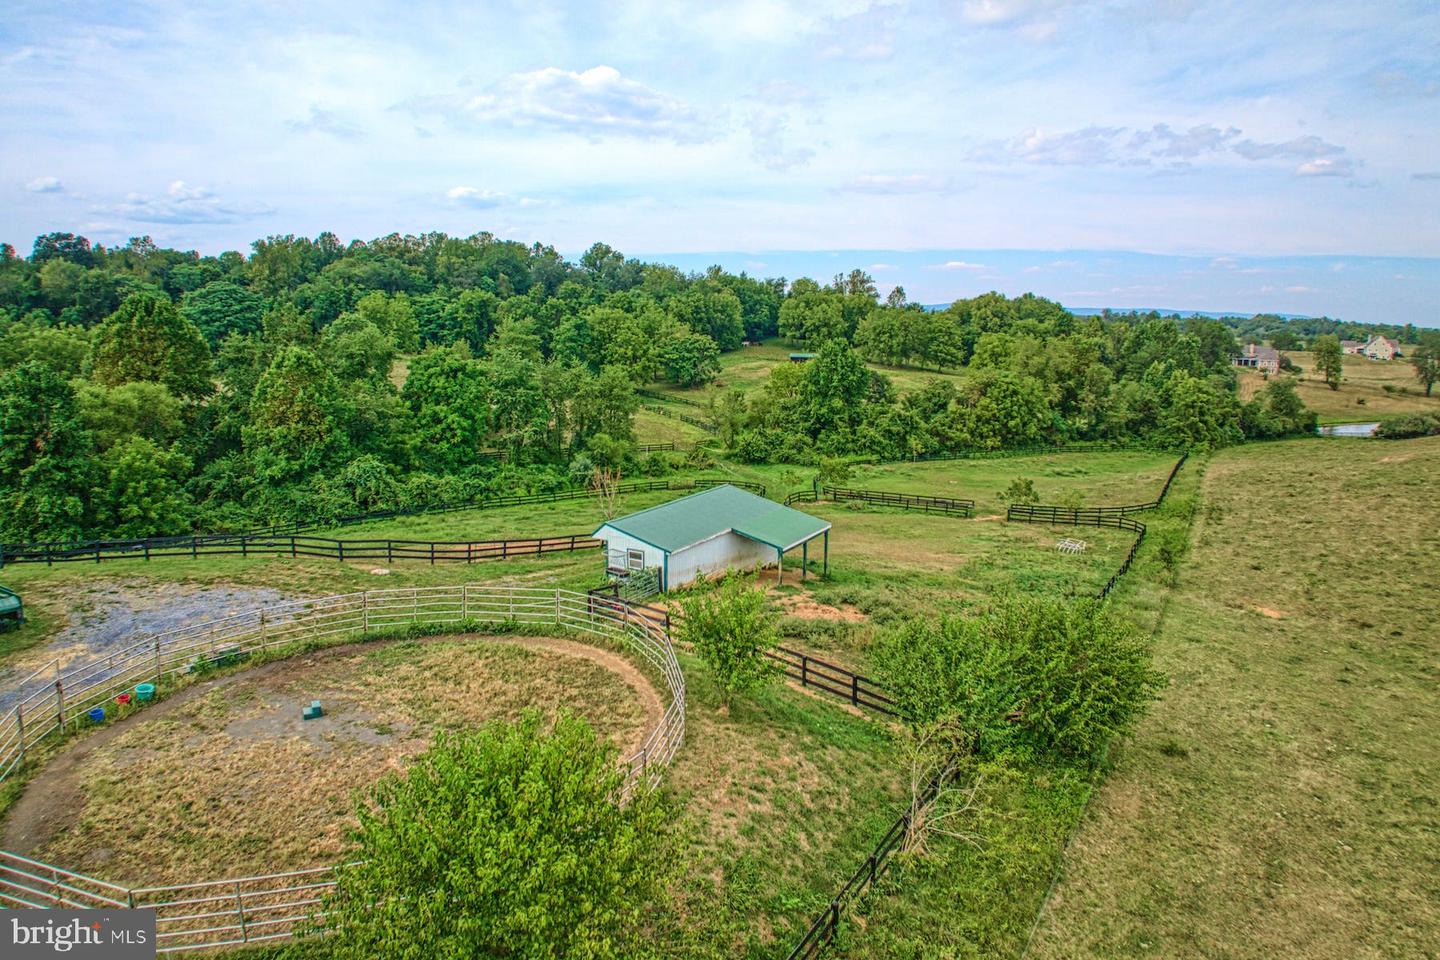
[1426, 175]
[959, 265]
[1085, 147]
[486, 199]
[885, 183]
[1299, 288]
[1308, 147]
[593, 103]
[1192, 143]
[321, 120]
[768, 129]
[868, 35]
[183, 203]
[45, 185]
[877, 267]
[1327, 167]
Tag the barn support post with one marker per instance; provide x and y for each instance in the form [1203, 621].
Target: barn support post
[779, 567]
[804, 560]
[825, 571]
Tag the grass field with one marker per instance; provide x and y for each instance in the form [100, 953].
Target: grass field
[748, 367]
[1362, 395]
[1281, 799]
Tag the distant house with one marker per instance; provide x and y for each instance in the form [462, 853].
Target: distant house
[801, 357]
[1352, 347]
[723, 528]
[1382, 348]
[1256, 357]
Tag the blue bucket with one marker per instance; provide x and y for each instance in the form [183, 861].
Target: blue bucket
[96, 715]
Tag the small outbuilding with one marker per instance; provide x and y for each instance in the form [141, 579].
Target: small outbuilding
[722, 528]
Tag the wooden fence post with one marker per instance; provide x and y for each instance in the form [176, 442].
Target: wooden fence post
[20, 724]
[59, 705]
[157, 661]
[240, 911]
[365, 610]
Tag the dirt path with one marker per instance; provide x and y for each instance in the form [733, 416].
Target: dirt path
[53, 796]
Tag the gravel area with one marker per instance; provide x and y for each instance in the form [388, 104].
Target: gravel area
[113, 614]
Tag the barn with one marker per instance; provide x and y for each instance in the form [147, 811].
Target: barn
[722, 528]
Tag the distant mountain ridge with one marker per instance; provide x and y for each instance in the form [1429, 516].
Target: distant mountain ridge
[1163, 311]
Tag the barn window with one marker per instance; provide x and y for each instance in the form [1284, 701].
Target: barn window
[635, 559]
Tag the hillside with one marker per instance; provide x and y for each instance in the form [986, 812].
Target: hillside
[1280, 799]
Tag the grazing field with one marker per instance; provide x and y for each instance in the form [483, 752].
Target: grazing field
[1281, 799]
[1363, 393]
[888, 565]
[748, 367]
[226, 779]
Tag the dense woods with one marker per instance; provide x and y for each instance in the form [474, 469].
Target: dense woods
[148, 391]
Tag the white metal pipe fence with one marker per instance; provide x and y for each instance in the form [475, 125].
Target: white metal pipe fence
[233, 911]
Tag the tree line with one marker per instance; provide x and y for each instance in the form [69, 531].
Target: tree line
[149, 391]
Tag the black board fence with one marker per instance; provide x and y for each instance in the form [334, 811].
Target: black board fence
[249, 545]
[948, 506]
[826, 924]
[286, 539]
[857, 690]
[705, 425]
[1117, 517]
[670, 398]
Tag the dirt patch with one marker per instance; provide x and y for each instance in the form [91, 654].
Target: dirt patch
[1270, 612]
[112, 614]
[1397, 458]
[805, 608]
[226, 778]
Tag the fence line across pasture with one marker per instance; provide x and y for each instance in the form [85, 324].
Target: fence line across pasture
[1117, 517]
[235, 911]
[270, 543]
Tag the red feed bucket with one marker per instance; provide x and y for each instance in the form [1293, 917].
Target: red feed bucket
[123, 699]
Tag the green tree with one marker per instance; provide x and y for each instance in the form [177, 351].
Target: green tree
[1038, 678]
[812, 317]
[113, 414]
[690, 359]
[834, 388]
[731, 627]
[142, 494]
[297, 423]
[446, 391]
[1329, 359]
[147, 339]
[222, 308]
[1000, 409]
[1426, 360]
[509, 842]
[44, 456]
[356, 349]
[713, 311]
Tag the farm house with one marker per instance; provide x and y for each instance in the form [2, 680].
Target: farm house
[723, 528]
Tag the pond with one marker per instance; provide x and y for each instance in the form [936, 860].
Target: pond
[1348, 430]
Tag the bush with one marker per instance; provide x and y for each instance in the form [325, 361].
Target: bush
[1415, 425]
[731, 627]
[1021, 490]
[508, 841]
[1036, 678]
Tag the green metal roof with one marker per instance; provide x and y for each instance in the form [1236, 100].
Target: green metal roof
[678, 524]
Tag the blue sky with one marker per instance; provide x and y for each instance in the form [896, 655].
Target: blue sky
[1176, 153]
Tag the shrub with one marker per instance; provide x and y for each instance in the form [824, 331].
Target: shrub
[1415, 425]
[509, 841]
[731, 627]
[1021, 490]
[1037, 678]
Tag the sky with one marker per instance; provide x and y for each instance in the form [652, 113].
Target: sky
[1279, 156]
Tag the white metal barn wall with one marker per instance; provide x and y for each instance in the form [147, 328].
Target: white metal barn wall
[729, 551]
[615, 541]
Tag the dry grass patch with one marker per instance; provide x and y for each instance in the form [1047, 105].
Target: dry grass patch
[226, 779]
